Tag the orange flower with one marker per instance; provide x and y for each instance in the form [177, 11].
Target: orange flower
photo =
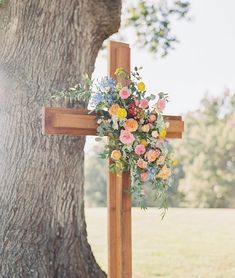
[164, 173]
[113, 109]
[131, 125]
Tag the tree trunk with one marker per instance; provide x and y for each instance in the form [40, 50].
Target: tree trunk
[45, 46]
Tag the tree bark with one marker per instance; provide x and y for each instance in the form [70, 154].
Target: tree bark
[45, 46]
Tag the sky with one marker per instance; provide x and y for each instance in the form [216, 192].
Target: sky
[203, 61]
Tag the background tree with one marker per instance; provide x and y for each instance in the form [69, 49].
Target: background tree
[207, 154]
[46, 46]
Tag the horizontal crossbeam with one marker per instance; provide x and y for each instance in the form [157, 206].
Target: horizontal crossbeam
[69, 121]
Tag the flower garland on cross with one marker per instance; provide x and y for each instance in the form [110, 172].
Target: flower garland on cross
[136, 130]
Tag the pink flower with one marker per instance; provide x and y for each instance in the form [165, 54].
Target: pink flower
[126, 137]
[140, 149]
[144, 103]
[160, 105]
[152, 155]
[152, 118]
[141, 163]
[124, 93]
[144, 176]
[159, 142]
[137, 102]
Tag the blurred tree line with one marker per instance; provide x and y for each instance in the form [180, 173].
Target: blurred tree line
[205, 174]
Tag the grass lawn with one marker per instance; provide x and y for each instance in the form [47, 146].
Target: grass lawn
[188, 243]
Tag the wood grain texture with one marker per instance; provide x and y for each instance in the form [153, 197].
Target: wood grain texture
[79, 122]
[119, 203]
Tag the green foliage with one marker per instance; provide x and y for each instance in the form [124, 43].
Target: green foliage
[80, 92]
[207, 154]
[151, 21]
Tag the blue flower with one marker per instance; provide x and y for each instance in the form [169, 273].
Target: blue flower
[152, 172]
[97, 98]
[110, 98]
[107, 84]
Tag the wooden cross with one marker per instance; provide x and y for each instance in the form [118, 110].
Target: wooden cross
[80, 122]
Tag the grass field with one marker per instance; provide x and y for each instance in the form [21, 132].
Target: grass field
[188, 243]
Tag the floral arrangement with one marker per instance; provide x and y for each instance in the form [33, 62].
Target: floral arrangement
[136, 131]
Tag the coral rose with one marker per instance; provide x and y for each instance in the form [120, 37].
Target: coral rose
[131, 125]
[124, 93]
[144, 176]
[152, 155]
[116, 155]
[140, 149]
[141, 163]
[145, 128]
[126, 137]
[113, 109]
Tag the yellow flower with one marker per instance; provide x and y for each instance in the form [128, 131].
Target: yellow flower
[143, 142]
[162, 134]
[141, 86]
[119, 86]
[116, 155]
[164, 173]
[121, 72]
[121, 113]
[174, 163]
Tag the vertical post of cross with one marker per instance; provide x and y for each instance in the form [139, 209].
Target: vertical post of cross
[119, 201]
